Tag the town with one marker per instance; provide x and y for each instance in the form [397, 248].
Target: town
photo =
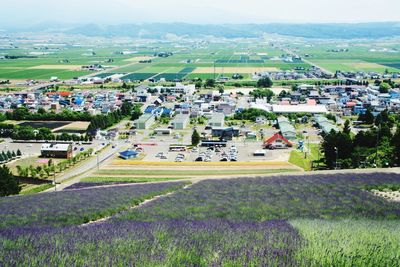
[178, 144]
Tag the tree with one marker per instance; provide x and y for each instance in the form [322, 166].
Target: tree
[195, 138]
[209, 83]
[9, 185]
[136, 113]
[384, 88]
[396, 144]
[265, 82]
[367, 118]
[346, 128]
[261, 93]
[336, 143]
[19, 154]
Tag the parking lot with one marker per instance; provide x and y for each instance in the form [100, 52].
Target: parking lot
[237, 150]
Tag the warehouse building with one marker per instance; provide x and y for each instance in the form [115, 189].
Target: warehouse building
[217, 120]
[63, 151]
[312, 109]
[180, 121]
[144, 121]
[286, 128]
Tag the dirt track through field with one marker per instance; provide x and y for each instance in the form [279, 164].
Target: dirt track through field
[102, 220]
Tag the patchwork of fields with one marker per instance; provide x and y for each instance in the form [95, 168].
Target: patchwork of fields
[189, 62]
[285, 220]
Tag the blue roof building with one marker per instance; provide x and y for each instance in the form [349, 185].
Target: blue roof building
[128, 154]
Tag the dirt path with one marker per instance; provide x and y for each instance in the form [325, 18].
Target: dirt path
[147, 201]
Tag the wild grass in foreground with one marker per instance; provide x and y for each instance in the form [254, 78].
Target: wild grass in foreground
[349, 242]
[166, 243]
[36, 189]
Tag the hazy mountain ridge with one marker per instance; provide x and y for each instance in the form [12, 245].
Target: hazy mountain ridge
[159, 30]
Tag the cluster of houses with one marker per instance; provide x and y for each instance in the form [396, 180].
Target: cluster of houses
[181, 105]
[361, 75]
[341, 99]
[93, 101]
[297, 73]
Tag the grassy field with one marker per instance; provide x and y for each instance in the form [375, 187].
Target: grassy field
[128, 179]
[209, 172]
[309, 160]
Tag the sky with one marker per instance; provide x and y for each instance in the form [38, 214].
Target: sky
[30, 12]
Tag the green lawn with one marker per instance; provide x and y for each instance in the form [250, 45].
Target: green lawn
[247, 170]
[127, 179]
[298, 158]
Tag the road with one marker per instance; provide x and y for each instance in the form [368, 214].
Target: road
[288, 51]
[92, 163]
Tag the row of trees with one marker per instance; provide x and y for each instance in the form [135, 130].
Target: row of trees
[23, 113]
[251, 114]
[45, 171]
[29, 133]
[104, 121]
[262, 93]
[9, 155]
[377, 147]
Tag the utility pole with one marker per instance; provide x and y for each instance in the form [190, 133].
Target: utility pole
[54, 178]
[214, 69]
[377, 146]
[336, 161]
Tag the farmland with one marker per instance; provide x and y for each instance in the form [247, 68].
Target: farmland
[279, 220]
[188, 62]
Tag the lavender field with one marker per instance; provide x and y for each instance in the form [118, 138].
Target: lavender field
[75, 206]
[309, 220]
[276, 197]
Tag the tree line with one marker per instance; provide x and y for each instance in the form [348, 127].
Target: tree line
[23, 113]
[51, 168]
[251, 114]
[9, 155]
[28, 133]
[377, 147]
[104, 121]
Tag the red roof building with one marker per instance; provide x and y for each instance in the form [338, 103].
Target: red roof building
[61, 93]
[277, 141]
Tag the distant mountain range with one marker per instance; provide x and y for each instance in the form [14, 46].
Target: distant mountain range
[160, 30]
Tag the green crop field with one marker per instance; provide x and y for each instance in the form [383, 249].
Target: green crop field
[65, 61]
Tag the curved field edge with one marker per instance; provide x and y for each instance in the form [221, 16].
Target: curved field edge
[349, 242]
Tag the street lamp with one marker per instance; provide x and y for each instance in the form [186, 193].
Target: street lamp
[336, 161]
